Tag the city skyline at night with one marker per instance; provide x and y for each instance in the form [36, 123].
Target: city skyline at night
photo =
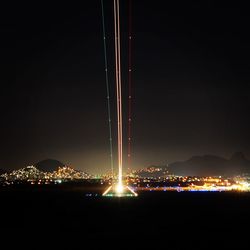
[190, 86]
[125, 124]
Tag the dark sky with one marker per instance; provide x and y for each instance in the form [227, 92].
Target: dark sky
[191, 76]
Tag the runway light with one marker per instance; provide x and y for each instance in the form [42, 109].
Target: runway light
[119, 188]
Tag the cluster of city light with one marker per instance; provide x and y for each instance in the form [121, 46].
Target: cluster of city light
[148, 170]
[211, 184]
[33, 175]
[239, 188]
[24, 174]
[167, 182]
[68, 173]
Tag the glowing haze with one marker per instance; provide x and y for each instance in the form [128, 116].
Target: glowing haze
[190, 82]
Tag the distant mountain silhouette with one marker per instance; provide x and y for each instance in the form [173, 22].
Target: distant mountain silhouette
[210, 165]
[239, 157]
[49, 165]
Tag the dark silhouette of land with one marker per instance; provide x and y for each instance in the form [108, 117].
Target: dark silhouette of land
[49, 165]
[212, 165]
[205, 165]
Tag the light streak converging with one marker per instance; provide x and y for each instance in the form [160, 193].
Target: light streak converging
[119, 190]
[109, 188]
[118, 87]
[108, 92]
[129, 81]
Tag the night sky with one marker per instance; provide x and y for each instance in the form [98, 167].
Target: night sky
[191, 76]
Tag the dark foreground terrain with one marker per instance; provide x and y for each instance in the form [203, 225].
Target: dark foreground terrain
[59, 217]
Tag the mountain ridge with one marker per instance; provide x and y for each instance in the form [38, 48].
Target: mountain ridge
[207, 165]
[49, 165]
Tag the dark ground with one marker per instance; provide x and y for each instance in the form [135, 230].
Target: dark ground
[63, 217]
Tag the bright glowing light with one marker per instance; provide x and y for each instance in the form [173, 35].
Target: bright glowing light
[130, 189]
[119, 188]
[107, 191]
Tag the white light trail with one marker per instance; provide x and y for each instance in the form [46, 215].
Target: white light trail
[118, 87]
[118, 190]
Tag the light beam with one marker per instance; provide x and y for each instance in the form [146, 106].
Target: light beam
[120, 190]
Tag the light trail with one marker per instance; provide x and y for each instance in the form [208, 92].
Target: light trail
[132, 191]
[117, 82]
[107, 191]
[129, 81]
[118, 190]
[108, 92]
[120, 95]
[118, 87]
